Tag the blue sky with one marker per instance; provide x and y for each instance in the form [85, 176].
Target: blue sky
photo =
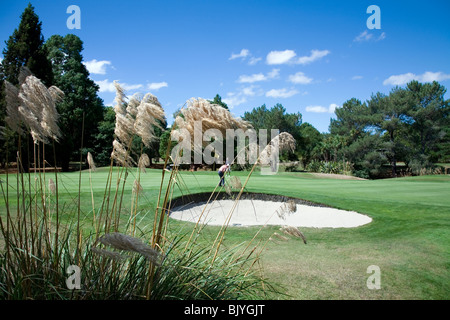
[310, 56]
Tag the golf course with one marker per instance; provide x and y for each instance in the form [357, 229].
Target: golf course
[408, 238]
[224, 151]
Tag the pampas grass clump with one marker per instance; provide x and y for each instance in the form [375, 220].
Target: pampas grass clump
[149, 115]
[39, 110]
[138, 117]
[34, 105]
[282, 142]
[211, 116]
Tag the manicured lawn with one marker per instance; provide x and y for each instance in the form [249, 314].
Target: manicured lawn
[409, 238]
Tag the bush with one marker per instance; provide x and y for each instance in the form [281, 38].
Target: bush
[373, 164]
[421, 166]
[334, 167]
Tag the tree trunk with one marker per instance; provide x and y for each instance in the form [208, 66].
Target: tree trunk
[394, 160]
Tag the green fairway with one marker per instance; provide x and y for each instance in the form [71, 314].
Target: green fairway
[408, 238]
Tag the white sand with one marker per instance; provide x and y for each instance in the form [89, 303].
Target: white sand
[259, 212]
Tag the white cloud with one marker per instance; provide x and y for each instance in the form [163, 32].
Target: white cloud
[300, 78]
[315, 55]
[367, 36]
[402, 79]
[157, 85]
[259, 76]
[108, 86]
[434, 76]
[332, 107]
[248, 91]
[234, 99]
[131, 87]
[243, 54]
[316, 109]
[363, 36]
[321, 109]
[280, 57]
[254, 61]
[273, 74]
[252, 78]
[357, 77]
[281, 93]
[97, 67]
[287, 56]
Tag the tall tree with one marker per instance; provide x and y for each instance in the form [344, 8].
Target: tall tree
[218, 100]
[351, 119]
[25, 47]
[81, 100]
[103, 140]
[276, 118]
[310, 138]
[389, 115]
[430, 117]
[359, 142]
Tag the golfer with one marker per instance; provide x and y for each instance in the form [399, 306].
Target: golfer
[222, 170]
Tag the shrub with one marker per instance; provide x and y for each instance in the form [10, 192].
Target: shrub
[334, 167]
[422, 166]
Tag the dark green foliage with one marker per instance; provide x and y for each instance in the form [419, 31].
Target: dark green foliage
[276, 118]
[410, 125]
[81, 100]
[218, 100]
[104, 138]
[310, 137]
[164, 143]
[430, 123]
[25, 47]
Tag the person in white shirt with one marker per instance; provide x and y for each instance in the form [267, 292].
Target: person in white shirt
[222, 170]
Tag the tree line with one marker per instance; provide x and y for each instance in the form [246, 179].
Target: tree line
[409, 126]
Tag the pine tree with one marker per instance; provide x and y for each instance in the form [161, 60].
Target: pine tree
[25, 47]
[81, 100]
[218, 100]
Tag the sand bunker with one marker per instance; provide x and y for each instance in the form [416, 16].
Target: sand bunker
[261, 212]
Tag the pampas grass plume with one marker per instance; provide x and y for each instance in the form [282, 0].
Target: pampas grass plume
[13, 116]
[120, 154]
[293, 232]
[144, 161]
[91, 162]
[125, 242]
[38, 107]
[137, 187]
[149, 114]
[52, 186]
